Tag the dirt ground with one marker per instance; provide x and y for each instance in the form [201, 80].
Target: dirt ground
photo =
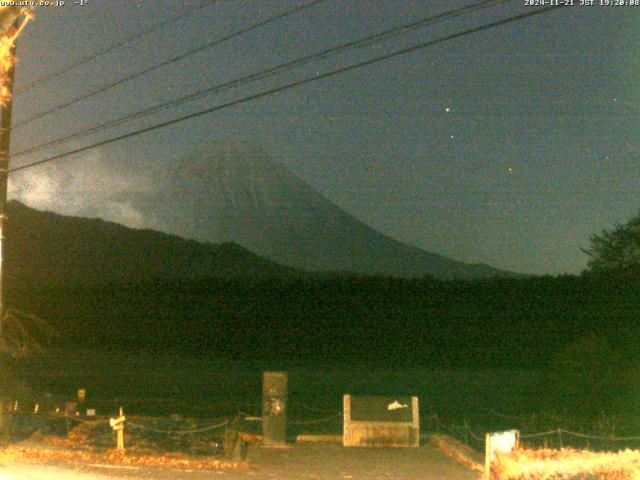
[317, 461]
[333, 461]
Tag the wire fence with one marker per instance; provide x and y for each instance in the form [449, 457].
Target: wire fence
[217, 418]
[556, 437]
[191, 431]
[217, 424]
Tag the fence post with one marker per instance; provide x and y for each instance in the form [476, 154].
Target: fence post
[560, 437]
[118, 425]
[3, 426]
[487, 456]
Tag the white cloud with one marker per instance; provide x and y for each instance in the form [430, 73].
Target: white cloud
[87, 186]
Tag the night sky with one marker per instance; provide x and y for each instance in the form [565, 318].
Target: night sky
[511, 146]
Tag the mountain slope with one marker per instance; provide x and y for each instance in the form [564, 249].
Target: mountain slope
[44, 248]
[239, 194]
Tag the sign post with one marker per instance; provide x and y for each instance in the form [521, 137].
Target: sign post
[498, 442]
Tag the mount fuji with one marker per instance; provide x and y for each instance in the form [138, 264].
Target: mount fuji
[234, 192]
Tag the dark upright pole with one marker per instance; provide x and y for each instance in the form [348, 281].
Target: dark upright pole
[5, 143]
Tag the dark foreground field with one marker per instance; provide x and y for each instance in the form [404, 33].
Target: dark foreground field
[210, 387]
[513, 346]
[203, 390]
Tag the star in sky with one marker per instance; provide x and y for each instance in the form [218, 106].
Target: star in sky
[475, 72]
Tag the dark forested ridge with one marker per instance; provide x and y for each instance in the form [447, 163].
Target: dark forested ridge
[47, 249]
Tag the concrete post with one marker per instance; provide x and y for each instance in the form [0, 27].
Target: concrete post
[274, 408]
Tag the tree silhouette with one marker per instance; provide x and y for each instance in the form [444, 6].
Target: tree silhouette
[616, 251]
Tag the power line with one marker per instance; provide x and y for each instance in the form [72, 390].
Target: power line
[291, 85]
[177, 58]
[363, 42]
[98, 53]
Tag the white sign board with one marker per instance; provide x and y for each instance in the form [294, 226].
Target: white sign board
[381, 421]
[503, 442]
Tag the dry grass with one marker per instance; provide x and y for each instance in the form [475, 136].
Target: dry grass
[87, 443]
[566, 464]
[51, 455]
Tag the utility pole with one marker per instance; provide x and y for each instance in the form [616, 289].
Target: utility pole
[12, 25]
[5, 145]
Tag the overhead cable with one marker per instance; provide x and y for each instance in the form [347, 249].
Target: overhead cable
[278, 69]
[291, 85]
